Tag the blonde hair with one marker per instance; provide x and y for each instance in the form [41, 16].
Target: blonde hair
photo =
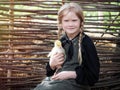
[64, 10]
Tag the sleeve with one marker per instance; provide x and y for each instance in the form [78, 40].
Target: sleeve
[88, 72]
[49, 71]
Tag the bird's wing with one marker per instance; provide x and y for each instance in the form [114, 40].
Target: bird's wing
[53, 51]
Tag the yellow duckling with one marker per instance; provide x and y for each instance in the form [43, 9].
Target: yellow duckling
[57, 49]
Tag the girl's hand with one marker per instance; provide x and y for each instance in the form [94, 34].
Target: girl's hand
[64, 75]
[56, 60]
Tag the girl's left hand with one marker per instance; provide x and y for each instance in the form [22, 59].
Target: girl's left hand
[64, 75]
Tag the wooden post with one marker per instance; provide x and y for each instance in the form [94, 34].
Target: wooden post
[11, 27]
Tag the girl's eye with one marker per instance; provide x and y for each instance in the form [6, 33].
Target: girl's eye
[74, 20]
[66, 20]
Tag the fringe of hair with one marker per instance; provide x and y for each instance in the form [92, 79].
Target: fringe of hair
[79, 51]
[79, 44]
[59, 33]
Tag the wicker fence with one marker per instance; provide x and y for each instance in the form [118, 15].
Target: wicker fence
[29, 27]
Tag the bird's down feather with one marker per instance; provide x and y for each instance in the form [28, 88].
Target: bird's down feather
[56, 49]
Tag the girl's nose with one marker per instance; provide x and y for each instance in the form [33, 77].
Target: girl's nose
[70, 23]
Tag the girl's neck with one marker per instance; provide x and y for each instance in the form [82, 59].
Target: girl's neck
[71, 36]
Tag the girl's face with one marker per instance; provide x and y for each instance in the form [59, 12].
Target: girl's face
[71, 24]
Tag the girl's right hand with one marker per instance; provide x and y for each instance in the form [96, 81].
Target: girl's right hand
[56, 60]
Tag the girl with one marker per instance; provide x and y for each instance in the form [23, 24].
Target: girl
[80, 70]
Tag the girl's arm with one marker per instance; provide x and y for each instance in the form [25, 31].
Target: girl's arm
[88, 72]
[49, 70]
[55, 61]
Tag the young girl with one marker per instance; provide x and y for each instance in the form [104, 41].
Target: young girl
[80, 70]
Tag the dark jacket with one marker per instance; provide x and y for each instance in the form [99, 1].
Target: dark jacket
[88, 71]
